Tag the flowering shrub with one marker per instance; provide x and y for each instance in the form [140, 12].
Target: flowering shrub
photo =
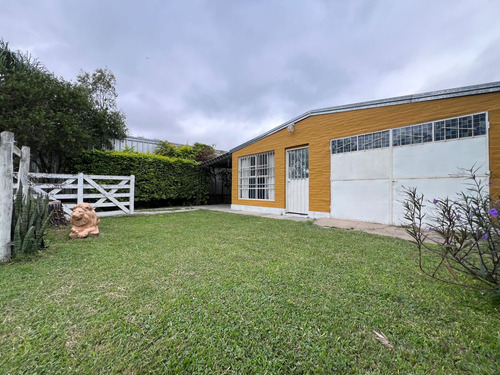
[457, 237]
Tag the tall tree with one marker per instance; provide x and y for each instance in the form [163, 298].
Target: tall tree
[102, 87]
[55, 118]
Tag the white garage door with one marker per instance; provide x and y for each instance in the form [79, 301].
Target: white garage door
[368, 172]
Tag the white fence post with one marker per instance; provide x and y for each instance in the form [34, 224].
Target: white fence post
[79, 194]
[24, 168]
[132, 193]
[6, 193]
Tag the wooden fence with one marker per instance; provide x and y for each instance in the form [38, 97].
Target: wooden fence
[7, 186]
[71, 189]
[115, 191]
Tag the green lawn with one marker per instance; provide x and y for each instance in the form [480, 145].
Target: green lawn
[213, 292]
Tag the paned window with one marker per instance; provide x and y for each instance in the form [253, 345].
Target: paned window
[412, 134]
[440, 130]
[298, 164]
[256, 176]
[460, 127]
[361, 142]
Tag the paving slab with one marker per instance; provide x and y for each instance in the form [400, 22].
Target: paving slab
[227, 208]
[373, 228]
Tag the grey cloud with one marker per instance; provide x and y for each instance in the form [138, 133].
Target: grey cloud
[218, 72]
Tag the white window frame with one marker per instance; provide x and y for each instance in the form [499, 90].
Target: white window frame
[256, 176]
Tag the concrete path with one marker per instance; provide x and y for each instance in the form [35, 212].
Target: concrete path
[374, 228]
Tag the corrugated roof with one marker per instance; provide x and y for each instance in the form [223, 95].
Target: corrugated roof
[433, 95]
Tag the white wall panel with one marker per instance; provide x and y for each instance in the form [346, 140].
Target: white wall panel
[365, 200]
[432, 188]
[361, 165]
[439, 158]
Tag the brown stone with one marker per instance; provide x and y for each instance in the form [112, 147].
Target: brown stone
[84, 221]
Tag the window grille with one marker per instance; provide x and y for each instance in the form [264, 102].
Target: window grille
[256, 176]
[298, 164]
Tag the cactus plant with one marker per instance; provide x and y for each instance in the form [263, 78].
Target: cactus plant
[30, 219]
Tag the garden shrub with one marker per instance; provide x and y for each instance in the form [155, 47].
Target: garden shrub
[159, 180]
[459, 236]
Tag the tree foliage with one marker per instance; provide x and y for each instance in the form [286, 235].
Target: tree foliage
[102, 87]
[15, 61]
[55, 118]
[199, 152]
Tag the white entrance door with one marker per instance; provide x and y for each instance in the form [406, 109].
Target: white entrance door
[297, 186]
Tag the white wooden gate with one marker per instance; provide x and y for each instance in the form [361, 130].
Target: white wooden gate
[297, 185]
[71, 189]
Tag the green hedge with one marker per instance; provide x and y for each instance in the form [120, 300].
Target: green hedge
[159, 180]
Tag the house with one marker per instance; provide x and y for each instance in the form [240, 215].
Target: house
[351, 161]
[139, 144]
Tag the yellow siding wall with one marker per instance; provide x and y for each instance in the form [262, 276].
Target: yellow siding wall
[317, 131]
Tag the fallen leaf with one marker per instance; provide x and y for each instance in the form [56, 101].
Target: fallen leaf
[383, 339]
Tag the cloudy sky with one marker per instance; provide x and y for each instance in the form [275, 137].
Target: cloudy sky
[224, 71]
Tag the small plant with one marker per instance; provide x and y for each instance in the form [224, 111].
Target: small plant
[457, 237]
[129, 150]
[30, 219]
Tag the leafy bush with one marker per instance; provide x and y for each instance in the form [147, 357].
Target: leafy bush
[199, 151]
[458, 236]
[30, 218]
[158, 179]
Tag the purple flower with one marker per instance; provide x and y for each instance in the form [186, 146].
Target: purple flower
[493, 212]
[430, 229]
[435, 201]
[459, 217]
[484, 236]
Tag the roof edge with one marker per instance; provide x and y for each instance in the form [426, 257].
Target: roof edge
[216, 160]
[484, 88]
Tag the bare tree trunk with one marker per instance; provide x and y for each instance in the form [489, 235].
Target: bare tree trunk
[58, 218]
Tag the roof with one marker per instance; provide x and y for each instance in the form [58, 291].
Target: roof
[221, 161]
[433, 95]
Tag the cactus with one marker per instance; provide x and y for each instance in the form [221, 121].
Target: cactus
[30, 219]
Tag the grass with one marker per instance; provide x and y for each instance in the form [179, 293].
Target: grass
[213, 292]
